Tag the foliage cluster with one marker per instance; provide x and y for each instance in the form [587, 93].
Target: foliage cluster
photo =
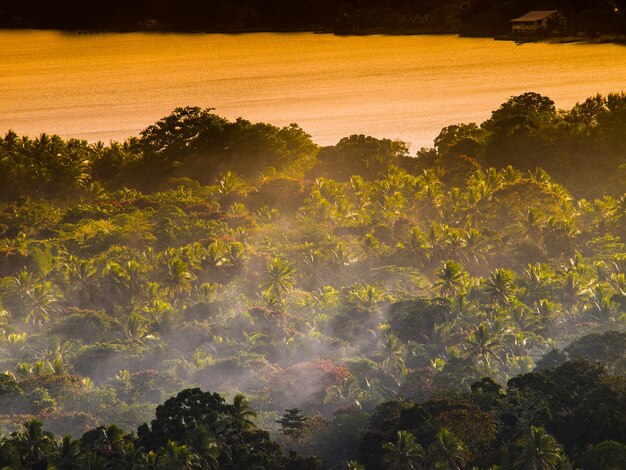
[243, 258]
[193, 430]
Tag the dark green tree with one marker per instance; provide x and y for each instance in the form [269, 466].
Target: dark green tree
[293, 423]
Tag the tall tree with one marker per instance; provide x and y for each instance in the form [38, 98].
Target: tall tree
[403, 454]
[293, 423]
[279, 277]
[448, 451]
[499, 286]
[449, 279]
[539, 451]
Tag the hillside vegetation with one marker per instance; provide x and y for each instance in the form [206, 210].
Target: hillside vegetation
[456, 307]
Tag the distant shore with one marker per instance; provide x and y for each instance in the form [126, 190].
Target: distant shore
[564, 39]
[316, 30]
[568, 39]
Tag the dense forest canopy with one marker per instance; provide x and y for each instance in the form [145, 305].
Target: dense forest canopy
[472, 17]
[453, 307]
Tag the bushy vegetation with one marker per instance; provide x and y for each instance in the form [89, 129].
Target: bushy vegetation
[456, 308]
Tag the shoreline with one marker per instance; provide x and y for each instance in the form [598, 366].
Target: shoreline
[569, 39]
[565, 39]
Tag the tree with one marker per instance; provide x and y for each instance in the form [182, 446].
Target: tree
[207, 448]
[40, 303]
[177, 456]
[404, 454]
[450, 279]
[539, 451]
[242, 413]
[80, 274]
[529, 106]
[293, 423]
[179, 415]
[463, 139]
[499, 286]
[447, 451]
[279, 277]
[392, 357]
[482, 344]
[608, 455]
[607, 348]
[357, 155]
[34, 444]
[67, 456]
[177, 136]
[177, 278]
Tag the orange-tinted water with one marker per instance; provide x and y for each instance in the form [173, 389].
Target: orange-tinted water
[110, 86]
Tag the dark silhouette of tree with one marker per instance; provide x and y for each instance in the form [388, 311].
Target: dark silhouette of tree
[403, 454]
[539, 450]
[293, 423]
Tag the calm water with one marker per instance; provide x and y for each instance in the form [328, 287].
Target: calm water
[110, 86]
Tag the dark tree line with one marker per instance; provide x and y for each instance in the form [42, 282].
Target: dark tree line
[476, 17]
[561, 417]
[193, 430]
[571, 415]
[583, 148]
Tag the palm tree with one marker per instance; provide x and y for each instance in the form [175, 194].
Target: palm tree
[207, 448]
[39, 303]
[339, 259]
[80, 274]
[540, 451]
[404, 454]
[178, 456]
[499, 286]
[136, 274]
[279, 277]
[67, 454]
[448, 451]
[346, 393]
[23, 282]
[450, 279]
[523, 317]
[146, 461]
[531, 224]
[313, 262]
[573, 290]
[476, 247]
[135, 327]
[601, 305]
[367, 298]
[205, 293]
[242, 412]
[177, 278]
[116, 285]
[482, 344]
[370, 249]
[33, 442]
[392, 357]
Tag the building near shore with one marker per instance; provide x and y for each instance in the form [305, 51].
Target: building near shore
[537, 22]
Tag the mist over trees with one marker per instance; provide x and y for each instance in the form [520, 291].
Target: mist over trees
[462, 306]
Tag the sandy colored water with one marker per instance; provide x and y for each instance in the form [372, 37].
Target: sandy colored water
[110, 86]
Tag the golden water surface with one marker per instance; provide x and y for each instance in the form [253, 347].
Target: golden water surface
[110, 86]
